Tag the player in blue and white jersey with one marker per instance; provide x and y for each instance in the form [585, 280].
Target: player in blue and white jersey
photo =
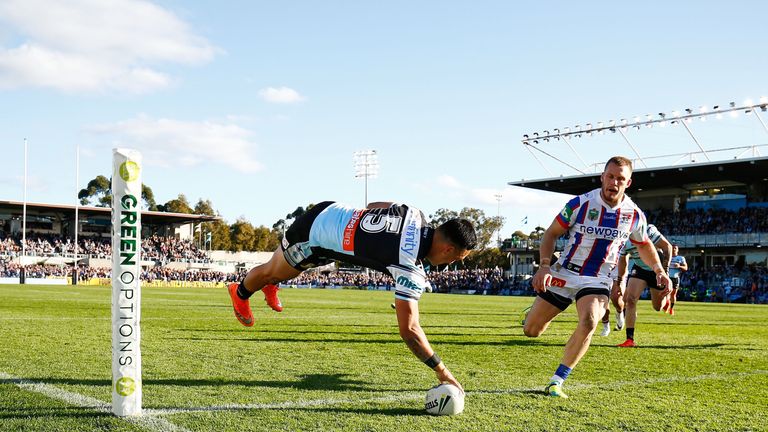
[640, 276]
[677, 266]
[598, 223]
[391, 238]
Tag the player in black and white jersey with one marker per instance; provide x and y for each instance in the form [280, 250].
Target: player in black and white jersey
[388, 237]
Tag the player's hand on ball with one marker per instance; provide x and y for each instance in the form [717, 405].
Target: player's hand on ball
[446, 377]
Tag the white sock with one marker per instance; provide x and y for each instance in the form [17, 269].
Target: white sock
[556, 379]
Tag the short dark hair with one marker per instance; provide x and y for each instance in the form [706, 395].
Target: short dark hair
[620, 161]
[460, 232]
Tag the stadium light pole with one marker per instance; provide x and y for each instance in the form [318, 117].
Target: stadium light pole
[75, 275]
[498, 197]
[366, 166]
[24, 222]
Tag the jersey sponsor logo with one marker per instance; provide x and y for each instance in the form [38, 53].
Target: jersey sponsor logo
[592, 214]
[557, 282]
[409, 243]
[604, 232]
[407, 283]
[348, 242]
[566, 213]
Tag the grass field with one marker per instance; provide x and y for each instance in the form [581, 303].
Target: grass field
[333, 361]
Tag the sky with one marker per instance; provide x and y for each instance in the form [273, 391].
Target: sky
[259, 106]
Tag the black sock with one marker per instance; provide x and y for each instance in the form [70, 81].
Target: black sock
[242, 292]
[631, 333]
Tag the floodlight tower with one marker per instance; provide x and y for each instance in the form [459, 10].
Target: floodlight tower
[366, 166]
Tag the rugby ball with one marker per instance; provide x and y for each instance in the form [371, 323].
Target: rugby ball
[444, 399]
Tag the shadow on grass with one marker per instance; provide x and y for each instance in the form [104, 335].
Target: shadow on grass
[331, 382]
[368, 411]
[263, 337]
[391, 332]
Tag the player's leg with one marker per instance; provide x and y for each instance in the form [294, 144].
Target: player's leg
[606, 320]
[617, 298]
[274, 271]
[294, 255]
[546, 307]
[659, 302]
[590, 307]
[673, 295]
[635, 287]
[262, 277]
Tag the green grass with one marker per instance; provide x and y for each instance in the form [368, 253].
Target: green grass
[335, 361]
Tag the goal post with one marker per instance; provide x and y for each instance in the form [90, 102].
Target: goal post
[126, 286]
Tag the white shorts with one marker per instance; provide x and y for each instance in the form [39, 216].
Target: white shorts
[567, 284]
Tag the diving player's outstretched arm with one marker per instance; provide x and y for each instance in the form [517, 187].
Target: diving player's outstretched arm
[414, 337]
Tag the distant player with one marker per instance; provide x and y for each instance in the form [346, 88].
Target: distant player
[640, 277]
[390, 238]
[598, 223]
[677, 266]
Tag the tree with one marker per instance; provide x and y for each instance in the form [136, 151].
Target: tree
[265, 239]
[178, 205]
[487, 258]
[100, 188]
[220, 235]
[149, 197]
[204, 207]
[242, 235]
[537, 233]
[485, 226]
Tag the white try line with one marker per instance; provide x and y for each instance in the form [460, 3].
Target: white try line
[287, 405]
[152, 418]
[148, 422]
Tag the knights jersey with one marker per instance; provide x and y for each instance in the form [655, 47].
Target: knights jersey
[634, 255]
[392, 240]
[597, 233]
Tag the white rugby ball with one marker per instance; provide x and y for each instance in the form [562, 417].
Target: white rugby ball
[444, 399]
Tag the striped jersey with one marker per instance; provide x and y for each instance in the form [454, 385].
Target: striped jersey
[674, 271]
[597, 233]
[392, 240]
[634, 255]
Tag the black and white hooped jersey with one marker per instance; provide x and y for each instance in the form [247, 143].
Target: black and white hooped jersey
[392, 240]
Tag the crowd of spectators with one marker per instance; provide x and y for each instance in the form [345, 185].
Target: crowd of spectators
[726, 283]
[710, 221]
[480, 281]
[154, 248]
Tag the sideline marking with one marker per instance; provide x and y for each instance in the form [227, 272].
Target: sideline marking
[83, 401]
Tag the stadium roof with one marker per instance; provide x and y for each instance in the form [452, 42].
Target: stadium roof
[149, 217]
[688, 176]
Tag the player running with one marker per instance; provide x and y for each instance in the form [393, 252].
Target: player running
[598, 223]
[391, 238]
[640, 277]
[677, 266]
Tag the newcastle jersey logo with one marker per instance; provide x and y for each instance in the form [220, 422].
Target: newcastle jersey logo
[592, 215]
